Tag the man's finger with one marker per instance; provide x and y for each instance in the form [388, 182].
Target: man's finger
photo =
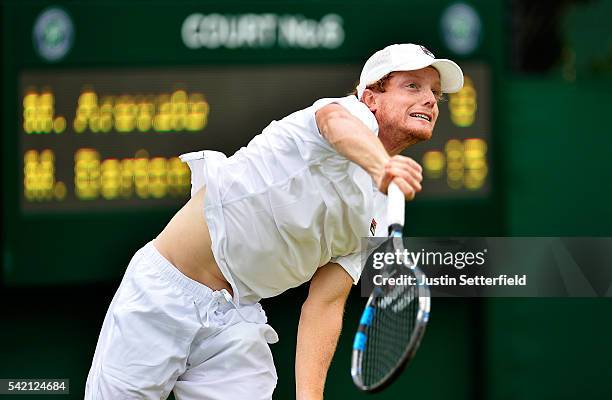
[409, 178]
[407, 160]
[407, 189]
[405, 170]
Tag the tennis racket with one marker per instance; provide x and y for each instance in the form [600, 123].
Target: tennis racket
[393, 322]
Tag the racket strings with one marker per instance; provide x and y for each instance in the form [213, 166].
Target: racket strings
[390, 332]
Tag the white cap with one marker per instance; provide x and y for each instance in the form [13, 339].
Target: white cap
[409, 57]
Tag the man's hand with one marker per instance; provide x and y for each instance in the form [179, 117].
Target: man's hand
[319, 329]
[405, 172]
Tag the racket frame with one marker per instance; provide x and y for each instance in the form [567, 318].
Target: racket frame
[415, 339]
[395, 215]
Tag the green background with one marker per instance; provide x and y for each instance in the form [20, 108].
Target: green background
[551, 176]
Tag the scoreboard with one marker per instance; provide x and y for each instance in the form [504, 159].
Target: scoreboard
[91, 157]
[97, 141]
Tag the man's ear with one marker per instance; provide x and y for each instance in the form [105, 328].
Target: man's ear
[369, 99]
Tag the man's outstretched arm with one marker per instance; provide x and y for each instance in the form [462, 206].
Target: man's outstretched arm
[354, 140]
[319, 329]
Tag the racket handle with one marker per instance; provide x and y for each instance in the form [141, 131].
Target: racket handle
[395, 205]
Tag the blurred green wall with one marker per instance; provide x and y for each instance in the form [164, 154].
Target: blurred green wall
[557, 169]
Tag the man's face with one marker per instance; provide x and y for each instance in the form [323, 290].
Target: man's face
[408, 108]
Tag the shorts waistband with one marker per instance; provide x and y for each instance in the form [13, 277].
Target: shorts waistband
[172, 274]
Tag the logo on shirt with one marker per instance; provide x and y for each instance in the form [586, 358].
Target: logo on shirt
[373, 227]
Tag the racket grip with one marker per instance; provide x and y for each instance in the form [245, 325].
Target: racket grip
[395, 205]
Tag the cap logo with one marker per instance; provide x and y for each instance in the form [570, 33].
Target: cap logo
[426, 51]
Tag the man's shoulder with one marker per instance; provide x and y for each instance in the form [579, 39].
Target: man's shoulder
[305, 117]
[346, 101]
[353, 106]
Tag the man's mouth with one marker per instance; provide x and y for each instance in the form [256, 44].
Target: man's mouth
[421, 116]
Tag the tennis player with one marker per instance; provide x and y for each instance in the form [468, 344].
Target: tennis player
[288, 208]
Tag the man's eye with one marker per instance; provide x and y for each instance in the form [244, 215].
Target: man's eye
[412, 86]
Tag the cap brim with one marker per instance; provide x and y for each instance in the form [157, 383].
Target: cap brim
[451, 76]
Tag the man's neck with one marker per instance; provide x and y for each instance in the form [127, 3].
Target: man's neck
[394, 146]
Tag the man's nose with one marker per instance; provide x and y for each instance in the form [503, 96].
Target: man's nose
[429, 98]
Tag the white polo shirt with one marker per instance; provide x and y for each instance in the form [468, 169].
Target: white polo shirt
[286, 204]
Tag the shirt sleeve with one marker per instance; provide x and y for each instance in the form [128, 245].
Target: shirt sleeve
[351, 264]
[353, 106]
[196, 163]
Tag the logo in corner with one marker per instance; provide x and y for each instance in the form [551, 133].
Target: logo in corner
[53, 34]
[461, 28]
[373, 227]
[426, 51]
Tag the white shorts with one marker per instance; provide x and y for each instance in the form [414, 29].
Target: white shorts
[164, 332]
